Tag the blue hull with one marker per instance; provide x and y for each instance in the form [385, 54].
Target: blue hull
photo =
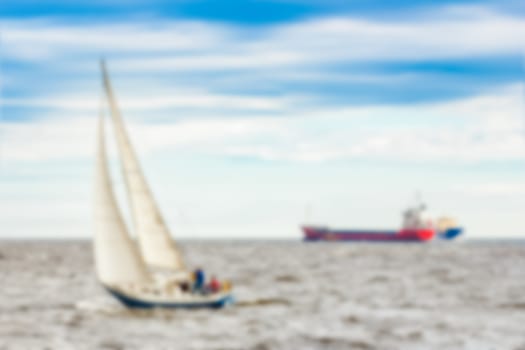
[141, 304]
[451, 233]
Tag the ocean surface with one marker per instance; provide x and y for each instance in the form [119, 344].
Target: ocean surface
[290, 295]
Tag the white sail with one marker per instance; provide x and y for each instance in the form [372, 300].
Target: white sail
[116, 255]
[156, 245]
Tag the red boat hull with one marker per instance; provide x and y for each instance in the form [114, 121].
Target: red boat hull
[313, 233]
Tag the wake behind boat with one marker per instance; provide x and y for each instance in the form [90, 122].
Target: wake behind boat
[152, 274]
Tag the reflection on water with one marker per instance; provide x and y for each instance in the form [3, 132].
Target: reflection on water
[289, 296]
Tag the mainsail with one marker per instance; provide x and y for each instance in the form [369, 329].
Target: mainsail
[156, 245]
[117, 258]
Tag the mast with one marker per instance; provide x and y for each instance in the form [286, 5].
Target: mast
[156, 245]
[116, 255]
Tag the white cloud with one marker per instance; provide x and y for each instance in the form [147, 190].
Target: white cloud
[45, 39]
[492, 189]
[41, 140]
[292, 129]
[449, 32]
[482, 128]
[70, 138]
[444, 33]
[153, 102]
[346, 39]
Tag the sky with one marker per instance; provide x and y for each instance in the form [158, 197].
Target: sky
[252, 117]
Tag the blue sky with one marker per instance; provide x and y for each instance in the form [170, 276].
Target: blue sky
[244, 113]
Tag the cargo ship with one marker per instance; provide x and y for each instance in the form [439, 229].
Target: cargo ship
[415, 228]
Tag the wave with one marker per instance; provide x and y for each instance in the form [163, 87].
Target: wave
[262, 302]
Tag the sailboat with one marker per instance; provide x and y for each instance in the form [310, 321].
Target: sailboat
[147, 272]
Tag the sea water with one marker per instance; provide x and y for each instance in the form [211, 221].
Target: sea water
[289, 295]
